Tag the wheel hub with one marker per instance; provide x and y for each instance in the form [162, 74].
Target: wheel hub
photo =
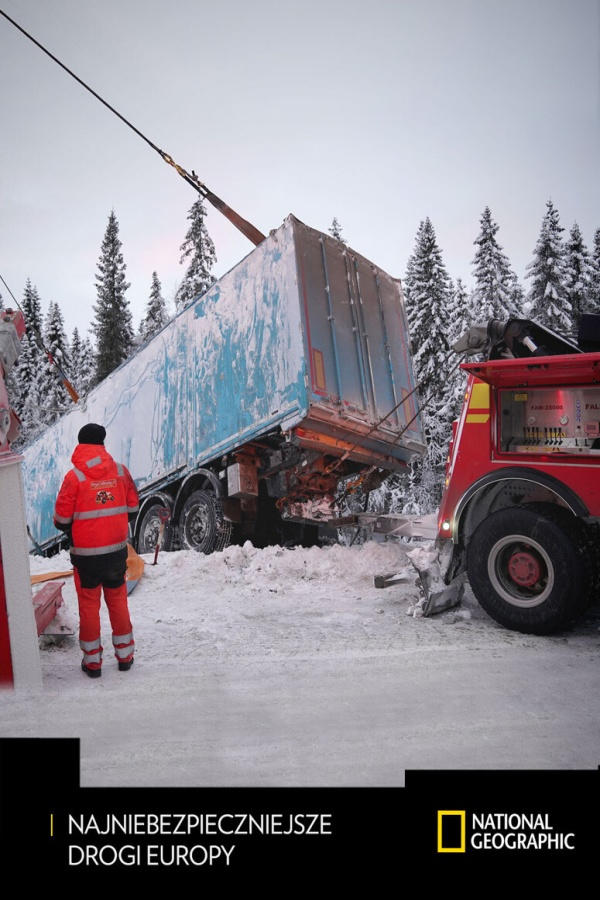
[150, 530]
[198, 526]
[524, 568]
[520, 571]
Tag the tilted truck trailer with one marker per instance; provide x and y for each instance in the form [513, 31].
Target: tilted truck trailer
[251, 405]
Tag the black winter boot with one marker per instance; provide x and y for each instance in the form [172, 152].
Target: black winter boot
[93, 673]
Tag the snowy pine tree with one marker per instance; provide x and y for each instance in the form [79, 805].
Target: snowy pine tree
[82, 366]
[199, 246]
[55, 397]
[428, 298]
[494, 278]
[25, 377]
[594, 290]
[547, 298]
[156, 311]
[462, 313]
[577, 276]
[112, 325]
[335, 230]
[517, 298]
[429, 308]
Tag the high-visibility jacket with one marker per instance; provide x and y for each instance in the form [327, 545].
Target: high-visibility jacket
[96, 498]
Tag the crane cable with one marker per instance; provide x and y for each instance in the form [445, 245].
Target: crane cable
[247, 229]
[40, 341]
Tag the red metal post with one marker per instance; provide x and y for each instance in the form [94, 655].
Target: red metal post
[6, 670]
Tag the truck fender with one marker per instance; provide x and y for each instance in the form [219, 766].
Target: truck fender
[199, 479]
[563, 492]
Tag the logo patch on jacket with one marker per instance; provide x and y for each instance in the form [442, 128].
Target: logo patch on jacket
[104, 497]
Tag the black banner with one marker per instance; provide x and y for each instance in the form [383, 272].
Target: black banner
[441, 823]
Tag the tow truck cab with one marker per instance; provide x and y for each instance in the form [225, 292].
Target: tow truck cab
[521, 500]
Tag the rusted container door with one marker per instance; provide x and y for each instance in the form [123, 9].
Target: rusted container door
[357, 342]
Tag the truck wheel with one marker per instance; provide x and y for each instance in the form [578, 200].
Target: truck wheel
[527, 569]
[202, 526]
[149, 529]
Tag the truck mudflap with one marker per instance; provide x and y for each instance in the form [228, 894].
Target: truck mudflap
[441, 588]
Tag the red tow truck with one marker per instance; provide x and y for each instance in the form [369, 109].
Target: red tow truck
[520, 508]
[521, 502]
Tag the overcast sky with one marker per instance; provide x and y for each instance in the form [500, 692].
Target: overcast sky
[378, 112]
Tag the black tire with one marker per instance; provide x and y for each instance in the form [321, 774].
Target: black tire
[202, 526]
[527, 567]
[149, 529]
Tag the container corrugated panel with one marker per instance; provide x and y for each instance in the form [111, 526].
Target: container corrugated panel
[302, 332]
[356, 348]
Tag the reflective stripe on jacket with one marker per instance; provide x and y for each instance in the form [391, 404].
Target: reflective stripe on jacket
[96, 498]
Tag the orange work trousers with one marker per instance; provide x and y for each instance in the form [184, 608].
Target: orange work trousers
[89, 622]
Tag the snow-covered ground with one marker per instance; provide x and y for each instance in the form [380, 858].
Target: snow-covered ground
[287, 667]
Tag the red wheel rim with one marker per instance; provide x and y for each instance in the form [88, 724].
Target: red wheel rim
[524, 569]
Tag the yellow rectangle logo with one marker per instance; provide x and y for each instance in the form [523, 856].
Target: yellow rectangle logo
[463, 830]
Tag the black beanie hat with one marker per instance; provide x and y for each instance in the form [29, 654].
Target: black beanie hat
[92, 434]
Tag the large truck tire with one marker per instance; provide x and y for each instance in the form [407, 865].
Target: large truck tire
[202, 526]
[149, 528]
[528, 568]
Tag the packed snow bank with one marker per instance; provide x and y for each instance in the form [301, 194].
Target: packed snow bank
[287, 666]
[249, 601]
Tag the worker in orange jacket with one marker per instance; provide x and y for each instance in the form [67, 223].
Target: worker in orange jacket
[93, 507]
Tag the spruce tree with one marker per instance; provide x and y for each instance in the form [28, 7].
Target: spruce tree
[112, 325]
[462, 312]
[547, 298]
[55, 398]
[335, 230]
[428, 298]
[199, 246]
[26, 396]
[493, 275]
[517, 298]
[577, 276]
[82, 366]
[594, 291]
[156, 311]
[428, 292]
